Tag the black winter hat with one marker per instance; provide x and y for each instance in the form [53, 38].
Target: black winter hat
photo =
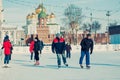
[6, 37]
[88, 35]
[36, 38]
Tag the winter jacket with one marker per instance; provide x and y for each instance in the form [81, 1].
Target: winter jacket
[11, 49]
[31, 47]
[68, 48]
[36, 46]
[87, 44]
[41, 44]
[58, 45]
[7, 47]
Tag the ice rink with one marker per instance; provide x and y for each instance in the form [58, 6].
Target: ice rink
[105, 65]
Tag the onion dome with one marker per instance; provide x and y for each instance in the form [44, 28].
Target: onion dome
[39, 9]
[33, 15]
[28, 16]
[52, 15]
[42, 14]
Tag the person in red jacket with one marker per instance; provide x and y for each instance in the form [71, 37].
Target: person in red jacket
[31, 49]
[7, 50]
[58, 47]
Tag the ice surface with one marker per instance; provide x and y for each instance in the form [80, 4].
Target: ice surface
[104, 66]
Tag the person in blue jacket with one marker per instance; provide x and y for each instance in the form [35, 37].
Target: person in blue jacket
[58, 47]
[86, 49]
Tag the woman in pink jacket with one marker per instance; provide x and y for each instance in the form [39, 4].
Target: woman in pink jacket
[7, 50]
[31, 49]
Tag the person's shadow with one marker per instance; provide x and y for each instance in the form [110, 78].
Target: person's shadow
[103, 64]
[50, 66]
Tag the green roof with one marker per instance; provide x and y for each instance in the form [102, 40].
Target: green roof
[42, 14]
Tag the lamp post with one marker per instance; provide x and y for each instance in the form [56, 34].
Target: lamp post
[91, 22]
[107, 30]
[108, 15]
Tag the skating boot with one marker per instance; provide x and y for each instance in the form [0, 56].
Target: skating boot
[81, 66]
[59, 66]
[38, 63]
[88, 67]
[66, 64]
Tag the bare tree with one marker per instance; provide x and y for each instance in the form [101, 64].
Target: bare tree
[86, 26]
[74, 18]
[95, 27]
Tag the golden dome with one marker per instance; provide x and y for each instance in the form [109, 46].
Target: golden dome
[28, 16]
[33, 15]
[39, 9]
[52, 15]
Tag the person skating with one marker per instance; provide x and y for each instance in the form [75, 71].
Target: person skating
[86, 50]
[11, 49]
[36, 50]
[58, 47]
[68, 50]
[31, 49]
[41, 45]
[7, 50]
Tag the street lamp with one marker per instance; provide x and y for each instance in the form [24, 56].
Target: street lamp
[107, 30]
[1, 20]
[108, 15]
[1, 17]
[91, 22]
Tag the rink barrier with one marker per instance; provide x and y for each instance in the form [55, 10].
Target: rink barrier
[47, 49]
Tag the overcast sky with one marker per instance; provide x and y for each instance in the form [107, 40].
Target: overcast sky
[15, 11]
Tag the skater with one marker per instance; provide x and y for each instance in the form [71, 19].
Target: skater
[41, 45]
[7, 50]
[31, 49]
[68, 50]
[86, 45]
[11, 51]
[36, 50]
[58, 47]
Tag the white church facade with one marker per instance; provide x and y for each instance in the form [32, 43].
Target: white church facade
[15, 33]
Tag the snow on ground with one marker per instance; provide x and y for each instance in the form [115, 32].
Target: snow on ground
[104, 66]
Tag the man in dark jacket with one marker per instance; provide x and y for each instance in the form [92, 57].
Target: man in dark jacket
[41, 45]
[58, 46]
[68, 50]
[86, 46]
[36, 50]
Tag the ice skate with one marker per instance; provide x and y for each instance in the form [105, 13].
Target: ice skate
[66, 64]
[81, 66]
[59, 66]
[88, 67]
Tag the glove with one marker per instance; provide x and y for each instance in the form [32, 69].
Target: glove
[90, 52]
[39, 52]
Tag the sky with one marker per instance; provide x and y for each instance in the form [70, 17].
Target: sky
[15, 11]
